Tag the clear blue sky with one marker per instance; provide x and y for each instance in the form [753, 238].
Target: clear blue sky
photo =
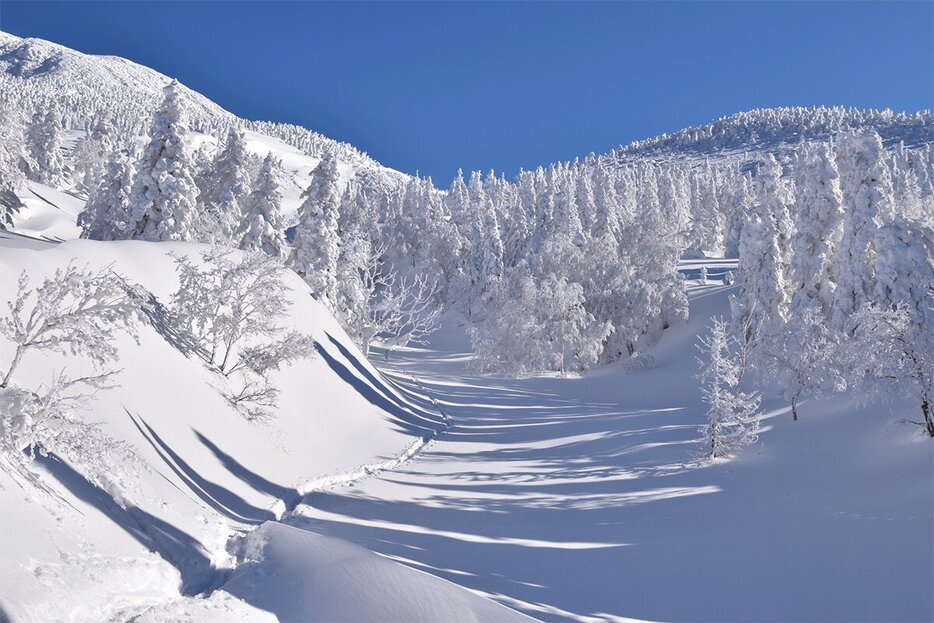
[437, 86]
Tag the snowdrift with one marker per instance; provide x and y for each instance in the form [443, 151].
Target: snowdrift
[204, 472]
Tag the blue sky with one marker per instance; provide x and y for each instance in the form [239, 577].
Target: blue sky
[431, 87]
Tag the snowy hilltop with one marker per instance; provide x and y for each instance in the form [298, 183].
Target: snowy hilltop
[249, 373]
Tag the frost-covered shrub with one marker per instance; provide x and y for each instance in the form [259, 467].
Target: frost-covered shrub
[731, 411]
[232, 305]
[75, 312]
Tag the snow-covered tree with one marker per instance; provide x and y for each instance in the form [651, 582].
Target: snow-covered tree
[867, 199]
[817, 231]
[538, 326]
[731, 411]
[92, 154]
[164, 197]
[263, 226]
[230, 186]
[48, 420]
[316, 246]
[106, 213]
[802, 356]
[893, 353]
[231, 307]
[764, 254]
[76, 311]
[45, 149]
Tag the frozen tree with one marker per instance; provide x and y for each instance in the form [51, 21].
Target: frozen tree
[817, 230]
[106, 213]
[739, 212]
[48, 421]
[867, 199]
[403, 311]
[374, 303]
[893, 353]
[731, 412]
[164, 197]
[316, 246]
[229, 188]
[802, 355]
[703, 275]
[76, 312]
[45, 149]
[263, 226]
[895, 338]
[763, 253]
[539, 326]
[92, 154]
[231, 307]
[12, 166]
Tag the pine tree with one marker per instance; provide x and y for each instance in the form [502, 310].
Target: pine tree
[45, 148]
[262, 227]
[230, 186]
[867, 199]
[106, 215]
[164, 196]
[316, 247]
[817, 230]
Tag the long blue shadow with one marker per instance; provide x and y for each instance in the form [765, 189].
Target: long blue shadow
[286, 494]
[214, 495]
[180, 549]
[407, 421]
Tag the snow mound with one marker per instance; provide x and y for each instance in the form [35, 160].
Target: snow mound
[303, 576]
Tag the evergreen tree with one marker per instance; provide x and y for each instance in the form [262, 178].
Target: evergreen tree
[867, 200]
[262, 227]
[230, 186]
[316, 247]
[45, 148]
[164, 195]
[107, 212]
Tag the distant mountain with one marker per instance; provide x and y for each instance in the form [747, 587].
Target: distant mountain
[775, 129]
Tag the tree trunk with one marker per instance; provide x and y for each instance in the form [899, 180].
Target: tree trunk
[16, 357]
[794, 408]
[928, 419]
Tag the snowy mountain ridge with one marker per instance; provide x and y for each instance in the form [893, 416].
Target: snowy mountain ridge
[86, 85]
[764, 130]
[76, 79]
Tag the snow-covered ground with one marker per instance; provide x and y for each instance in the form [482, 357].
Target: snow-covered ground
[579, 498]
[582, 499]
[72, 551]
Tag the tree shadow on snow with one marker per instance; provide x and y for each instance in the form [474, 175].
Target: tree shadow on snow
[178, 548]
[221, 499]
[409, 418]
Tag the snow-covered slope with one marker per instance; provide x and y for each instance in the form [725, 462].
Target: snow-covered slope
[85, 86]
[201, 473]
[587, 499]
[769, 130]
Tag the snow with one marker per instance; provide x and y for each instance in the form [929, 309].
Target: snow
[49, 213]
[75, 554]
[584, 499]
[303, 576]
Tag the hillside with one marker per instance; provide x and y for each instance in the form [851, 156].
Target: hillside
[571, 444]
[197, 473]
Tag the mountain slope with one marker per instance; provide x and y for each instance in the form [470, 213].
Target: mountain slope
[179, 472]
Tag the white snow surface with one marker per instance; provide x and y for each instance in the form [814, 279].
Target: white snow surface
[71, 553]
[567, 499]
